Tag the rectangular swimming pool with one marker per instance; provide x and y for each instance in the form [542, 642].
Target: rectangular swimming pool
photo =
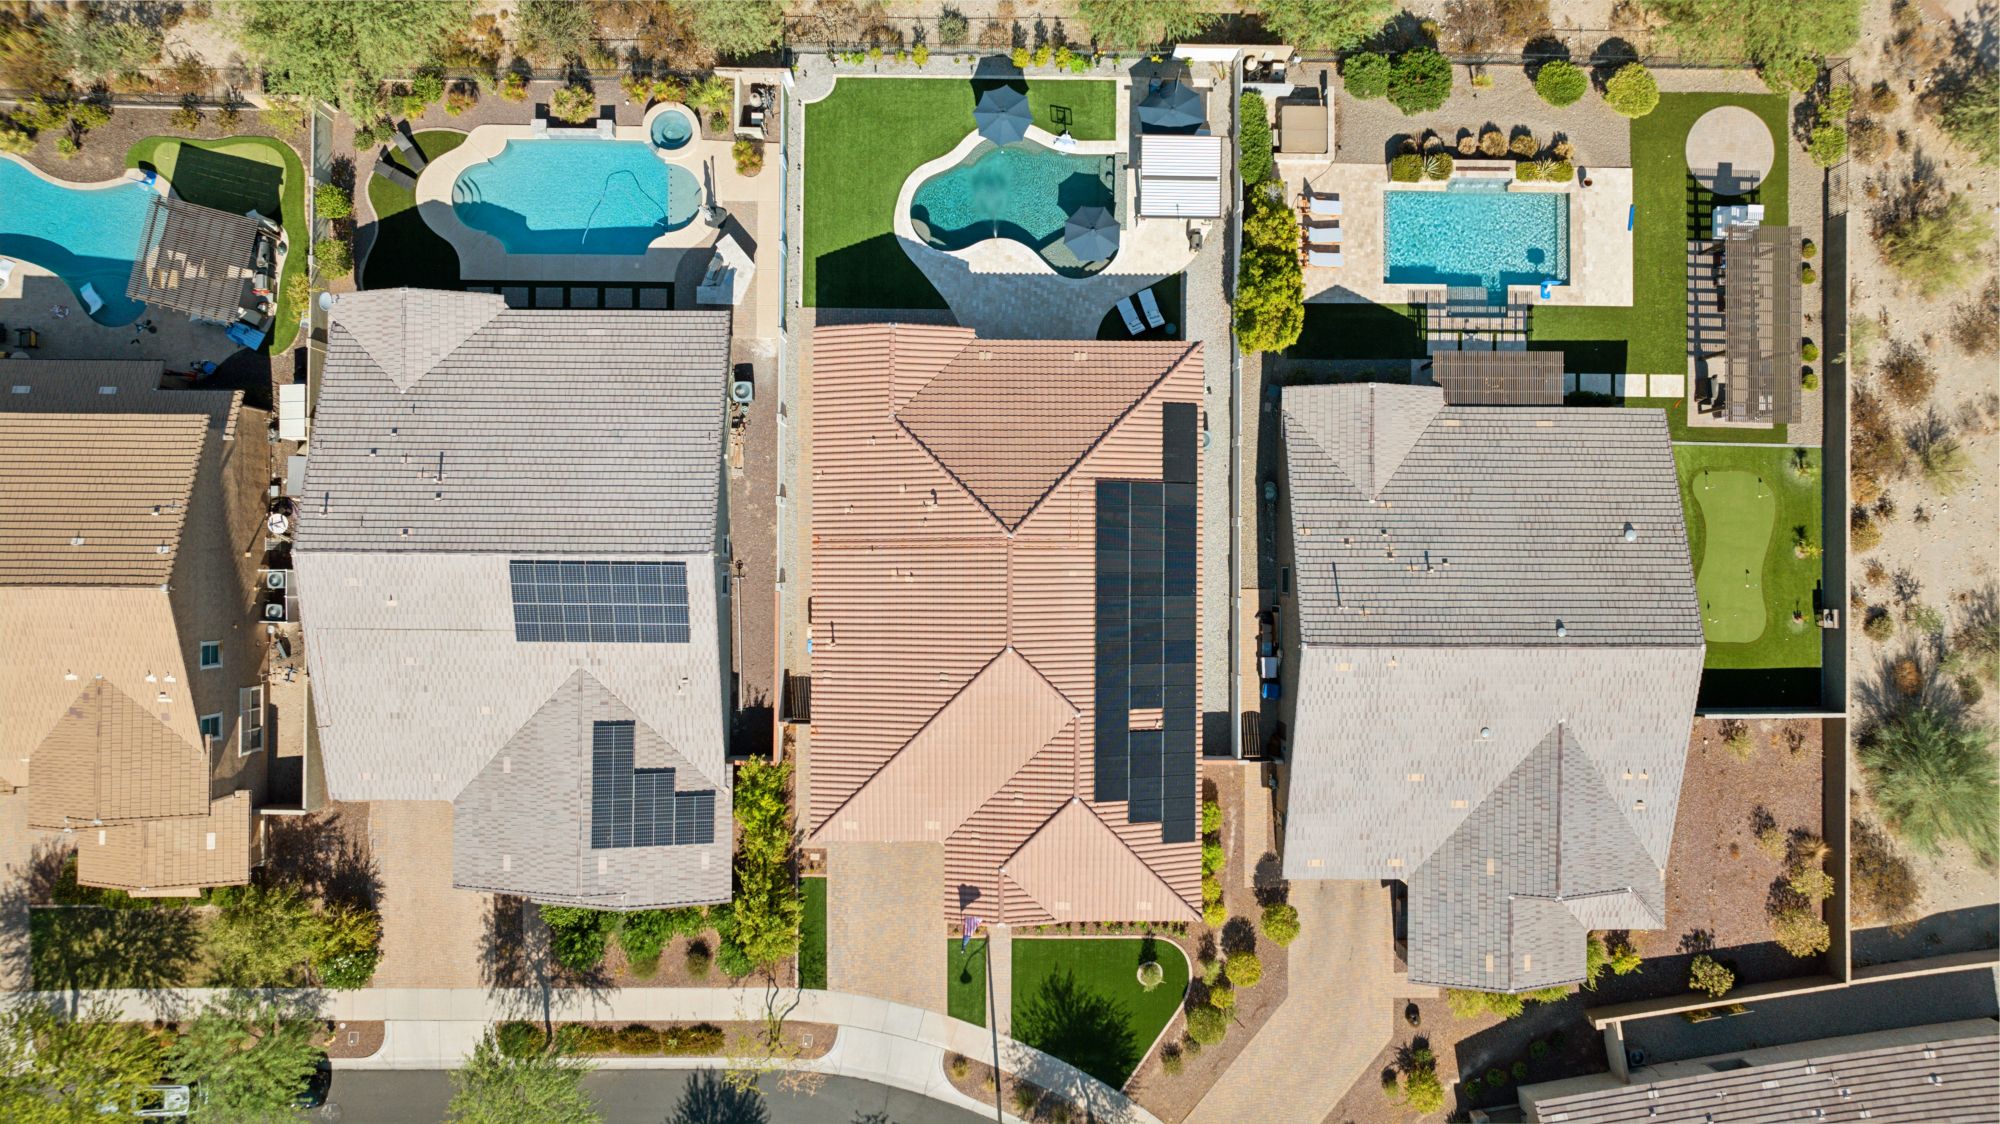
[1475, 234]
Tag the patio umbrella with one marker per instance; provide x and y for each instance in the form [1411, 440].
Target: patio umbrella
[1002, 115]
[1172, 105]
[1091, 234]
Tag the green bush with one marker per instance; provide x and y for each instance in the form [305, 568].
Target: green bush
[644, 933]
[66, 146]
[578, 937]
[1243, 969]
[1406, 167]
[519, 1039]
[1806, 275]
[573, 104]
[1281, 923]
[1632, 91]
[1556, 171]
[1270, 293]
[1828, 145]
[1932, 773]
[334, 256]
[1365, 75]
[331, 201]
[1211, 817]
[1538, 1049]
[1519, 1070]
[1421, 1089]
[1970, 115]
[17, 141]
[697, 1040]
[1021, 58]
[1222, 997]
[1801, 932]
[1214, 915]
[1253, 149]
[698, 959]
[1561, 83]
[1207, 1025]
[513, 86]
[1496, 1078]
[1211, 889]
[1709, 977]
[1809, 351]
[1527, 171]
[346, 946]
[1808, 248]
[1419, 81]
[1438, 166]
[1212, 858]
[762, 926]
[1809, 380]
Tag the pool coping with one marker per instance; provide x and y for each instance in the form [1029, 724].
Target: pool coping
[482, 255]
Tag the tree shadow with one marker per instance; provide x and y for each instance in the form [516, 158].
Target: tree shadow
[518, 965]
[710, 1100]
[1090, 1031]
[319, 853]
[1239, 935]
[1269, 880]
[1697, 940]
[86, 947]
[1608, 57]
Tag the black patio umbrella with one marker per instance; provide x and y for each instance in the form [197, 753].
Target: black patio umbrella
[1091, 234]
[1002, 115]
[1172, 105]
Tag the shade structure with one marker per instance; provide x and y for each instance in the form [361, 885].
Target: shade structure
[1172, 105]
[1002, 115]
[1091, 234]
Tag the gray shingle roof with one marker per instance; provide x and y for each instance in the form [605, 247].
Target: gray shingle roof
[447, 421]
[1522, 783]
[565, 434]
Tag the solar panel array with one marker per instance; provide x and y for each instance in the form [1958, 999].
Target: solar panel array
[1146, 636]
[638, 807]
[600, 602]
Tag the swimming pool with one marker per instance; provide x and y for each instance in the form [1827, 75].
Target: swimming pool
[1021, 191]
[1471, 234]
[85, 235]
[588, 196]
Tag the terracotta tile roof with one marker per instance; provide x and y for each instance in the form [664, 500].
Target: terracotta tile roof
[217, 849]
[954, 597]
[111, 759]
[94, 499]
[1118, 883]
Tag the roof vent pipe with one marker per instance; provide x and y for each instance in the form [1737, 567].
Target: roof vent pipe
[1631, 533]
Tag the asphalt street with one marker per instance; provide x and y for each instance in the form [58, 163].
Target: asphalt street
[645, 1096]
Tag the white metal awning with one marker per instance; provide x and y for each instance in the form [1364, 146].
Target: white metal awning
[1180, 176]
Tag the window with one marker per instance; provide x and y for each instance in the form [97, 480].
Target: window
[250, 724]
[211, 654]
[211, 727]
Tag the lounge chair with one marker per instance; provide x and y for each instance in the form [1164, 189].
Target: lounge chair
[412, 156]
[1324, 204]
[1323, 234]
[1151, 306]
[1323, 259]
[1131, 316]
[91, 301]
[6, 273]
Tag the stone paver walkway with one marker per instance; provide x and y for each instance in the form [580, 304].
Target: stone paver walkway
[1000, 954]
[1337, 1011]
[884, 934]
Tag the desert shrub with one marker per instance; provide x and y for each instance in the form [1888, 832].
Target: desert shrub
[1556, 171]
[574, 104]
[1933, 243]
[1970, 114]
[1801, 932]
[1810, 883]
[1026, 1098]
[17, 141]
[331, 201]
[1632, 91]
[952, 27]
[1419, 81]
[1709, 977]
[1437, 166]
[697, 959]
[66, 146]
[1524, 145]
[749, 156]
[1468, 145]
[1243, 969]
[1406, 168]
[1737, 738]
[1214, 915]
[1492, 143]
[1421, 1089]
[1253, 147]
[1975, 325]
[1938, 453]
[1365, 75]
[1883, 884]
[513, 86]
[334, 257]
[1880, 626]
[1206, 1025]
[187, 118]
[1281, 923]
[1932, 774]
[697, 1040]
[1475, 1004]
[578, 937]
[1561, 83]
[1867, 140]
[1211, 817]
[1908, 373]
[519, 1039]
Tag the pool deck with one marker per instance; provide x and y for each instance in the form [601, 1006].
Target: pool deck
[1600, 246]
[483, 256]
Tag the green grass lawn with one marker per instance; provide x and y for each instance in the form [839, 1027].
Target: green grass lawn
[1080, 1000]
[965, 983]
[812, 934]
[406, 251]
[862, 142]
[1651, 335]
[236, 174]
[1746, 506]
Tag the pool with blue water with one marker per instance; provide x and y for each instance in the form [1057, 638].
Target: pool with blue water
[550, 195]
[1021, 191]
[1476, 234]
[85, 235]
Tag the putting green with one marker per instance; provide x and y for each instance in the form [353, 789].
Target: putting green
[1739, 513]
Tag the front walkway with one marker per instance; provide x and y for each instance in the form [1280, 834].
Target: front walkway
[885, 935]
[1337, 1008]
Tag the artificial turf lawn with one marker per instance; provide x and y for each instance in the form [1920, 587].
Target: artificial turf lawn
[1651, 335]
[406, 251]
[1724, 492]
[864, 139]
[237, 174]
[812, 934]
[1080, 1000]
[965, 980]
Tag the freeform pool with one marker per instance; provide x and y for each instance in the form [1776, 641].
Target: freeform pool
[1470, 235]
[1021, 191]
[552, 195]
[85, 235]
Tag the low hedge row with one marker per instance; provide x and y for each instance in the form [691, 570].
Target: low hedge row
[689, 1040]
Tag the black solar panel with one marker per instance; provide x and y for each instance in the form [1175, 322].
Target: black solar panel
[600, 602]
[638, 807]
[1146, 569]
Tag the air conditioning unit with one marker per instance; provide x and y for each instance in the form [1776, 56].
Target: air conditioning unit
[742, 392]
[274, 580]
[274, 610]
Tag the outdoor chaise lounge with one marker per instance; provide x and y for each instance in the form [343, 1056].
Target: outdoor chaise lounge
[1323, 234]
[1130, 316]
[6, 273]
[407, 149]
[1323, 259]
[1322, 204]
[1150, 305]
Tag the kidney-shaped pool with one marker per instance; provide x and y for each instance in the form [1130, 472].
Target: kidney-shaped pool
[1021, 191]
[550, 195]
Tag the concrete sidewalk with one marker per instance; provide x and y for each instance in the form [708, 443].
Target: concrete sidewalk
[889, 1043]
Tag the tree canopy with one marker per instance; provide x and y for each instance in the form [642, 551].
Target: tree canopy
[1933, 774]
[61, 1069]
[1270, 293]
[1780, 36]
[250, 1058]
[740, 27]
[341, 52]
[493, 1088]
[1324, 25]
[1419, 81]
[1142, 23]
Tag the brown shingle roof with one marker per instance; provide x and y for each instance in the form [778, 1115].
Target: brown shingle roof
[94, 499]
[217, 849]
[111, 759]
[954, 650]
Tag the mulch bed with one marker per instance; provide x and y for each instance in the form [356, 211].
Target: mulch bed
[803, 1041]
[102, 155]
[673, 970]
[355, 1039]
[1473, 1047]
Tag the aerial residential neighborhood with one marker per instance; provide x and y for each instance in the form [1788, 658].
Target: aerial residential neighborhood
[1138, 561]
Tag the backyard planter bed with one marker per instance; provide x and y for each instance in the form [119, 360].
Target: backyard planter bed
[802, 1041]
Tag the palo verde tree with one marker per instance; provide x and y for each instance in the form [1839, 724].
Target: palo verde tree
[1784, 38]
[1324, 25]
[341, 53]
